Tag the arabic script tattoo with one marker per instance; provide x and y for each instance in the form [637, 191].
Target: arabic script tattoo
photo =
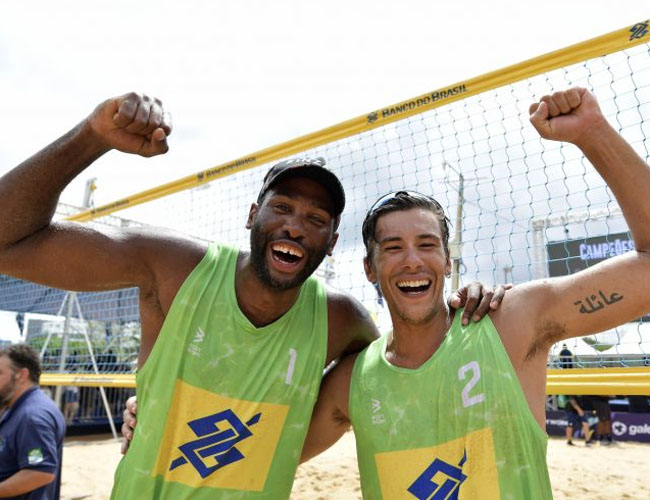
[594, 303]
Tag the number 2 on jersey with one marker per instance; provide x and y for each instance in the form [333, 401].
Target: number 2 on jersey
[476, 376]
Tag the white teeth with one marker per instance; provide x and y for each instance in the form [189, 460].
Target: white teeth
[413, 284]
[287, 249]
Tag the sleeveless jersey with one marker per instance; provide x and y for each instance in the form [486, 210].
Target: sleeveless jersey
[223, 406]
[457, 427]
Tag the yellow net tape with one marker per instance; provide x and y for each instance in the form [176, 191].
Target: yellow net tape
[89, 379]
[596, 47]
[591, 381]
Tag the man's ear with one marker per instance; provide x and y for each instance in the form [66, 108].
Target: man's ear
[251, 215]
[335, 238]
[22, 375]
[448, 267]
[370, 273]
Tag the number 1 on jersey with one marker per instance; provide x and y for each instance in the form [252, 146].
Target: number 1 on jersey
[293, 355]
[476, 376]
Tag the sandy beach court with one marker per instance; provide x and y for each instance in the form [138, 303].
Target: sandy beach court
[578, 473]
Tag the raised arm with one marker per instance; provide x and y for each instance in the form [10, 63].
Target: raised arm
[131, 123]
[616, 290]
[87, 258]
[68, 255]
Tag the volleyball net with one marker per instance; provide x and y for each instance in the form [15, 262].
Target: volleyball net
[521, 208]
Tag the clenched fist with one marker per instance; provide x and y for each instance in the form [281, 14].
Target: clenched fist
[570, 115]
[132, 123]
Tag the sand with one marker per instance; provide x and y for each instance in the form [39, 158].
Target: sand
[578, 473]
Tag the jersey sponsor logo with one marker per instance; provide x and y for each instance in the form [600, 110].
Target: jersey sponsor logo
[35, 456]
[214, 442]
[448, 477]
[219, 442]
[461, 469]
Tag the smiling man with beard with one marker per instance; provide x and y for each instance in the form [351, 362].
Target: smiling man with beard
[289, 254]
[233, 343]
[31, 430]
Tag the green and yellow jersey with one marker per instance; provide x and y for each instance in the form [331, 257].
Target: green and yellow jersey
[223, 406]
[457, 427]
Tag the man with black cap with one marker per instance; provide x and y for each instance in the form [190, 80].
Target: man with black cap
[234, 342]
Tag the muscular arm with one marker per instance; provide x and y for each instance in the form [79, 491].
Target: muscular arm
[68, 255]
[82, 257]
[24, 481]
[613, 292]
[30, 191]
[331, 416]
[536, 315]
[350, 327]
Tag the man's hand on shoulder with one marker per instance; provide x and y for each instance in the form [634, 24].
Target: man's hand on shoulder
[477, 299]
[130, 421]
[132, 123]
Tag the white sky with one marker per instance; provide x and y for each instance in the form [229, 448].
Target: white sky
[239, 76]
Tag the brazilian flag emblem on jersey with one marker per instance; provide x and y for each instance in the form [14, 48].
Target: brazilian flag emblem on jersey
[218, 442]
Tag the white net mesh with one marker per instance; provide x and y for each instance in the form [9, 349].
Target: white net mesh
[529, 208]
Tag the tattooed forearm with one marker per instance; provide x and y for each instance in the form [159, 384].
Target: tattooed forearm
[595, 302]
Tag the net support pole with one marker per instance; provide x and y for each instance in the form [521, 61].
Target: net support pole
[64, 343]
[458, 243]
[102, 392]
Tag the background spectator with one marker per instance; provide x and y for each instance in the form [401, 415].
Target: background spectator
[31, 429]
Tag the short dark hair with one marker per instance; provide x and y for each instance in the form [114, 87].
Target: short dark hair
[398, 201]
[23, 356]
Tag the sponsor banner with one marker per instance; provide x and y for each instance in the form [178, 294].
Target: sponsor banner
[425, 101]
[224, 170]
[625, 426]
[631, 426]
[570, 256]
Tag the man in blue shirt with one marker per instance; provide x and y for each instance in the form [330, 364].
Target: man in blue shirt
[31, 430]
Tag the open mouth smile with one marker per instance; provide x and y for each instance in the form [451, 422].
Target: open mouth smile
[414, 287]
[286, 257]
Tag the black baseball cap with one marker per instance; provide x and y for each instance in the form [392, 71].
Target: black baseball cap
[311, 168]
